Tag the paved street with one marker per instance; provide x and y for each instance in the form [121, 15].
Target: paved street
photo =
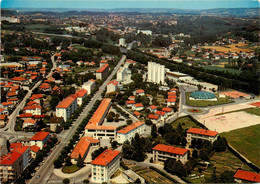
[47, 168]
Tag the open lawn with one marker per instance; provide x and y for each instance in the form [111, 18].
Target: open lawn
[230, 70]
[246, 141]
[70, 169]
[148, 174]
[205, 103]
[255, 111]
[230, 48]
[79, 47]
[185, 122]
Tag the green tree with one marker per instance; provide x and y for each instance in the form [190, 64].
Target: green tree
[154, 131]
[66, 181]
[68, 161]
[227, 177]
[80, 162]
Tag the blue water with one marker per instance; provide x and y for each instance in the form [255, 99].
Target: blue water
[106, 4]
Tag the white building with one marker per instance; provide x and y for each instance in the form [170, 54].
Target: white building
[178, 76]
[122, 42]
[129, 132]
[81, 94]
[66, 108]
[197, 133]
[156, 73]
[112, 86]
[89, 86]
[162, 152]
[147, 32]
[11, 19]
[124, 75]
[33, 109]
[137, 107]
[105, 165]
[101, 131]
[40, 139]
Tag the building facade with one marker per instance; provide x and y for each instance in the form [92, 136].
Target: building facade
[66, 108]
[129, 132]
[156, 73]
[105, 165]
[162, 152]
[197, 133]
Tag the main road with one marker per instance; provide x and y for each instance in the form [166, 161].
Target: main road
[46, 169]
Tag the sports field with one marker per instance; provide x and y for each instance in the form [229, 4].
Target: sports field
[246, 141]
[240, 47]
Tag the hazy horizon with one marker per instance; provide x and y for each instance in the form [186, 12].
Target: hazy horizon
[116, 4]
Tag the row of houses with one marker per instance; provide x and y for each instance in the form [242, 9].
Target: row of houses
[20, 156]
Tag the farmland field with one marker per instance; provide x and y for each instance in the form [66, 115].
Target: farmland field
[230, 48]
[246, 141]
[219, 68]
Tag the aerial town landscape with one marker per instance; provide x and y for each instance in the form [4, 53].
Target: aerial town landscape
[129, 92]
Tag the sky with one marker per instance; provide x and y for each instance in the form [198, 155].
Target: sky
[112, 4]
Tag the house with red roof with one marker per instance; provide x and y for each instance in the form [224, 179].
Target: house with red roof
[81, 95]
[168, 110]
[152, 108]
[170, 102]
[129, 103]
[40, 139]
[197, 133]
[7, 105]
[3, 119]
[105, 165]
[36, 97]
[242, 176]
[139, 92]
[29, 123]
[83, 147]
[11, 166]
[137, 107]
[89, 86]
[4, 111]
[21, 80]
[154, 117]
[129, 131]
[162, 152]
[66, 108]
[33, 109]
[137, 114]
[45, 87]
[162, 114]
[112, 86]
[102, 71]
[25, 151]
[34, 150]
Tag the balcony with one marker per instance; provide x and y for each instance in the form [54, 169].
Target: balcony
[10, 169]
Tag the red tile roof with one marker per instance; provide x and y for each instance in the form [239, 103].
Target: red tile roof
[82, 147]
[171, 93]
[36, 96]
[20, 149]
[172, 97]
[35, 148]
[3, 117]
[11, 94]
[153, 107]
[26, 115]
[153, 116]
[99, 127]
[32, 103]
[16, 144]
[12, 99]
[166, 109]
[138, 105]
[45, 86]
[32, 107]
[30, 120]
[106, 157]
[248, 176]
[161, 113]
[202, 132]
[137, 113]
[139, 91]
[7, 103]
[65, 103]
[114, 82]
[171, 100]
[97, 116]
[40, 136]
[170, 149]
[18, 79]
[81, 93]
[101, 69]
[130, 127]
[10, 158]
[130, 102]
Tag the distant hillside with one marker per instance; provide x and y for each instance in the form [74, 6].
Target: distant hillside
[250, 12]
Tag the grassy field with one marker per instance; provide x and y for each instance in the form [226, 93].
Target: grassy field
[246, 141]
[205, 103]
[186, 122]
[70, 169]
[252, 110]
[79, 47]
[222, 161]
[231, 70]
[230, 48]
[148, 174]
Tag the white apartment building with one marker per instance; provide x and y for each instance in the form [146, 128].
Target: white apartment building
[124, 74]
[156, 73]
[197, 133]
[105, 165]
[100, 131]
[122, 42]
[162, 152]
[129, 132]
[40, 139]
[33, 109]
[66, 108]
[81, 94]
[89, 86]
[112, 86]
